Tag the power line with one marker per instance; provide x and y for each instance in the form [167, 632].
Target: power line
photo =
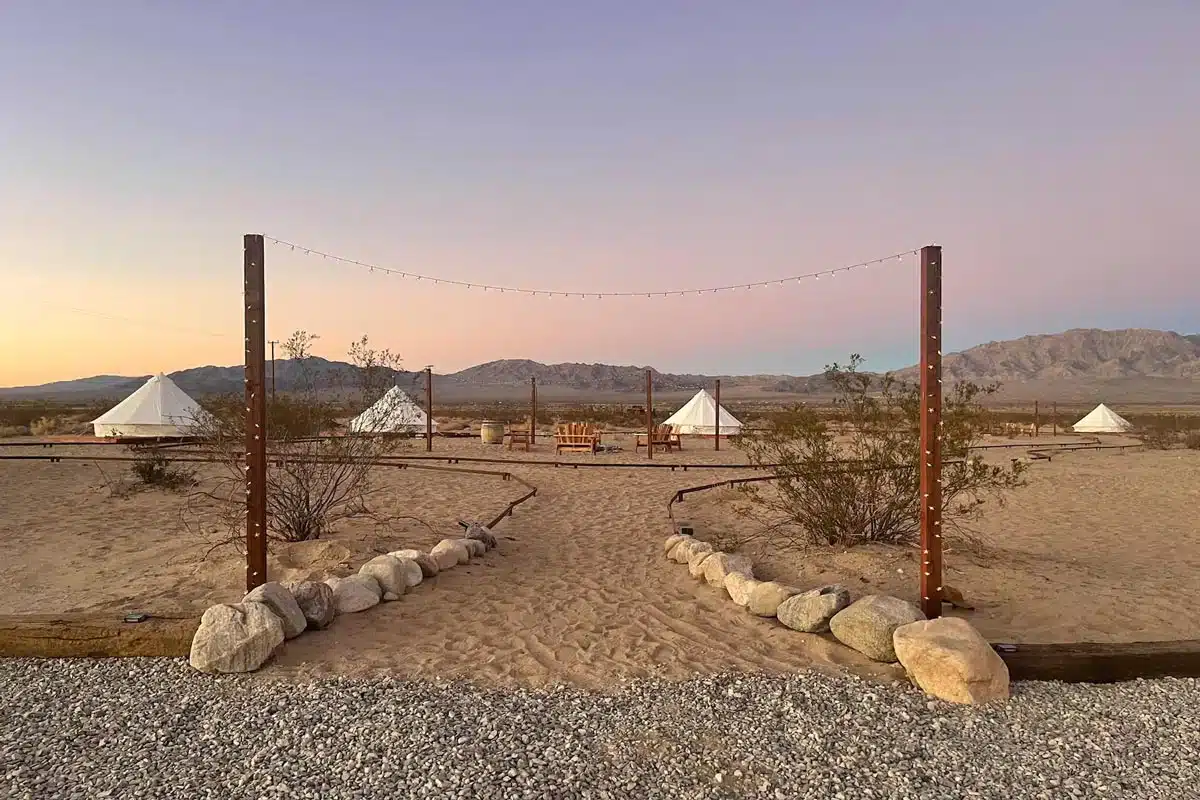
[131, 320]
[308, 251]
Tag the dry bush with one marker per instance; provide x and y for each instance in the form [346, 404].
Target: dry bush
[152, 468]
[8, 431]
[1192, 440]
[313, 480]
[863, 485]
[1159, 439]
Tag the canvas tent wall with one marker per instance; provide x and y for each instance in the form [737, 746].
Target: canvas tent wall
[158, 408]
[1102, 419]
[699, 416]
[395, 412]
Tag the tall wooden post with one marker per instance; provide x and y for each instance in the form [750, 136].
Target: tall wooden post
[649, 415]
[256, 411]
[429, 409]
[931, 424]
[1037, 419]
[532, 409]
[1054, 418]
[717, 423]
[273, 342]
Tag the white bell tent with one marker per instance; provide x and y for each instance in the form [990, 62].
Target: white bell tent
[158, 408]
[1102, 419]
[395, 412]
[699, 415]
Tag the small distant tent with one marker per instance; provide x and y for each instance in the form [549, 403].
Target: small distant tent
[1102, 419]
[395, 412]
[158, 408]
[699, 415]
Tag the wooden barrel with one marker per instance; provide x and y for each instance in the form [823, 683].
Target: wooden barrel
[491, 432]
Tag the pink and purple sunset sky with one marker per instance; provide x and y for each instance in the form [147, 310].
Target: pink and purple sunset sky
[1050, 147]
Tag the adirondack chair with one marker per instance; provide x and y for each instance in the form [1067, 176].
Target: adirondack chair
[576, 437]
[664, 437]
[520, 435]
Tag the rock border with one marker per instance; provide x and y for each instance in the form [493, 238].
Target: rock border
[945, 657]
[242, 637]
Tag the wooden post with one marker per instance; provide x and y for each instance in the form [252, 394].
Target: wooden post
[649, 415]
[532, 410]
[273, 342]
[931, 423]
[1037, 420]
[256, 411]
[429, 409]
[717, 423]
[1054, 418]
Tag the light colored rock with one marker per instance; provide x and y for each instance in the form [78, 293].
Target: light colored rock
[483, 534]
[681, 550]
[389, 597]
[740, 588]
[475, 547]
[316, 603]
[670, 543]
[275, 596]
[413, 574]
[718, 567]
[766, 597]
[389, 572]
[355, 593]
[429, 566]
[810, 612]
[950, 660]
[696, 562]
[685, 551]
[868, 623]
[235, 638]
[449, 553]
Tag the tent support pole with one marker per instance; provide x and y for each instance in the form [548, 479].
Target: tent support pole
[429, 409]
[649, 415]
[717, 423]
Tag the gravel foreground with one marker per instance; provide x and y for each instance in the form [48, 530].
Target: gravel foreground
[154, 728]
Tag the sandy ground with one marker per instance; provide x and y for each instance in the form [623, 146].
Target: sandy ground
[1100, 546]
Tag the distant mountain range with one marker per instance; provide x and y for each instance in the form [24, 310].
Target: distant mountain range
[1080, 365]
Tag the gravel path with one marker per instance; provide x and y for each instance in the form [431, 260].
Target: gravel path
[156, 729]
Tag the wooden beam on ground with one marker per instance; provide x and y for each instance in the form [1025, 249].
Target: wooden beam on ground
[1101, 662]
[94, 635]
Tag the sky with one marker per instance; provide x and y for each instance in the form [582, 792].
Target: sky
[1049, 147]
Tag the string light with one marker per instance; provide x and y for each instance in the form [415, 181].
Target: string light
[308, 251]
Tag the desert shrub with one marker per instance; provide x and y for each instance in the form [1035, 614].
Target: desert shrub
[857, 481]
[1159, 439]
[153, 469]
[7, 431]
[313, 480]
[1192, 440]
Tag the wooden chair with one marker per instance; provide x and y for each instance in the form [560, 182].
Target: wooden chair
[664, 438]
[576, 437]
[520, 434]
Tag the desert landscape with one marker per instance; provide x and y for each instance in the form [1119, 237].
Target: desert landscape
[1098, 546]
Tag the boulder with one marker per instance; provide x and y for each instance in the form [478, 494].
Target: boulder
[235, 638]
[740, 587]
[355, 593]
[720, 565]
[316, 603]
[428, 565]
[671, 541]
[696, 562]
[389, 572]
[766, 597]
[810, 612]
[948, 659]
[449, 553]
[681, 552]
[482, 534]
[413, 574]
[867, 625]
[277, 598]
[475, 547]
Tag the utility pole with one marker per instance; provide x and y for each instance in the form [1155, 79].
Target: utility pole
[273, 342]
